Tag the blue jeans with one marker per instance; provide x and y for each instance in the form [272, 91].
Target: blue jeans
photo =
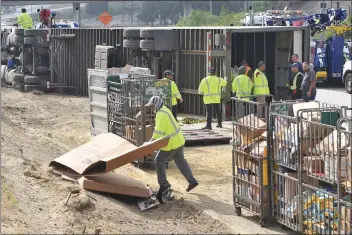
[306, 98]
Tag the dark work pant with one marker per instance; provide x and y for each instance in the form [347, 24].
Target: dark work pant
[174, 111]
[210, 109]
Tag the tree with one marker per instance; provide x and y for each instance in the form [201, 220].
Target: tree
[148, 12]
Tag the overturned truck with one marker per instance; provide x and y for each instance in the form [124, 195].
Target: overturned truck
[188, 51]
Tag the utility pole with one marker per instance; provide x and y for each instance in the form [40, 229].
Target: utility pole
[211, 6]
[132, 14]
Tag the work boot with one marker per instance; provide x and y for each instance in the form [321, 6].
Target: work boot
[219, 125]
[162, 193]
[192, 186]
[206, 128]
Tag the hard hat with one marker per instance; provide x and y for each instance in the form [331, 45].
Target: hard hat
[211, 70]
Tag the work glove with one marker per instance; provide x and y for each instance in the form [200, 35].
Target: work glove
[294, 92]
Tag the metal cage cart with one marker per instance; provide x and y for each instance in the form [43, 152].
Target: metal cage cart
[127, 115]
[251, 185]
[304, 166]
[344, 139]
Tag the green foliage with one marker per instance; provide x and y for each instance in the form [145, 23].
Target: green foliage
[204, 18]
[323, 35]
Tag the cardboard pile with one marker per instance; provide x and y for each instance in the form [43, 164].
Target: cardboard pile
[91, 163]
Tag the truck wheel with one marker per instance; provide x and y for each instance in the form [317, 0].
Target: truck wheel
[28, 88]
[18, 86]
[18, 78]
[19, 32]
[348, 83]
[131, 33]
[32, 80]
[147, 44]
[42, 51]
[33, 32]
[130, 43]
[18, 39]
[40, 70]
[29, 40]
[146, 33]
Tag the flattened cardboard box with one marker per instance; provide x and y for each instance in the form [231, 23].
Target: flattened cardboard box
[104, 153]
[114, 183]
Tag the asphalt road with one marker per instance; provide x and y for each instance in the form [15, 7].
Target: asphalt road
[336, 95]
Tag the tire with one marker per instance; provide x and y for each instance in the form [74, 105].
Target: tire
[28, 88]
[41, 70]
[32, 80]
[146, 33]
[130, 43]
[131, 33]
[19, 32]
[32, 32]
[41, 51]
[19, 39]
[18, 78]
[18, 86]
[30, 40]
[348, 83]
[146, 44]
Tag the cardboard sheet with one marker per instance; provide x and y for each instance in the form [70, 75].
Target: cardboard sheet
[304, 105]
[104, 153]
[114, 183]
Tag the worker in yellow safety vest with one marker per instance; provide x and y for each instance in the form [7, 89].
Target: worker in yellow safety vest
[260, 87]
[210, 87]
[242, 85]
[166, 125]
[24, 20]
[175, 93]
[295, 82]
[248, 70]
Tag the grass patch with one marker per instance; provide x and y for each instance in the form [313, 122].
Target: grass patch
[8, 199]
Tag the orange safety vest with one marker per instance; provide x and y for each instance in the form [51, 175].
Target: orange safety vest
[247, 69]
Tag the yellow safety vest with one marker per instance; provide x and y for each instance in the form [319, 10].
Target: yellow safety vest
[166, 125]
[242, 85]
[175, 93]
[25, 21]
[260, 83]
[210, 87]
[294, 83]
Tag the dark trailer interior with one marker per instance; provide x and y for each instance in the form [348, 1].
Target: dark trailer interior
[275, 48]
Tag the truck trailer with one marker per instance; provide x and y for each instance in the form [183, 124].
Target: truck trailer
[187, 51]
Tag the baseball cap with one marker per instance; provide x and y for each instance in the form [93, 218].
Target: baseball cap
[295, 65]
[154, 101]
[261, 63]
[168, 72]
[211, 70]
[241, 70]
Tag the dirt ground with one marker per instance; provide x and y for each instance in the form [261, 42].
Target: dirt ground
[35, 129]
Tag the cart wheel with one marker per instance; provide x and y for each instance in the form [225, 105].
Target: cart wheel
[262, 222]
[238, 211]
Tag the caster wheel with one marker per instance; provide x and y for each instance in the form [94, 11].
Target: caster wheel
[238, 211]
[262, 223]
